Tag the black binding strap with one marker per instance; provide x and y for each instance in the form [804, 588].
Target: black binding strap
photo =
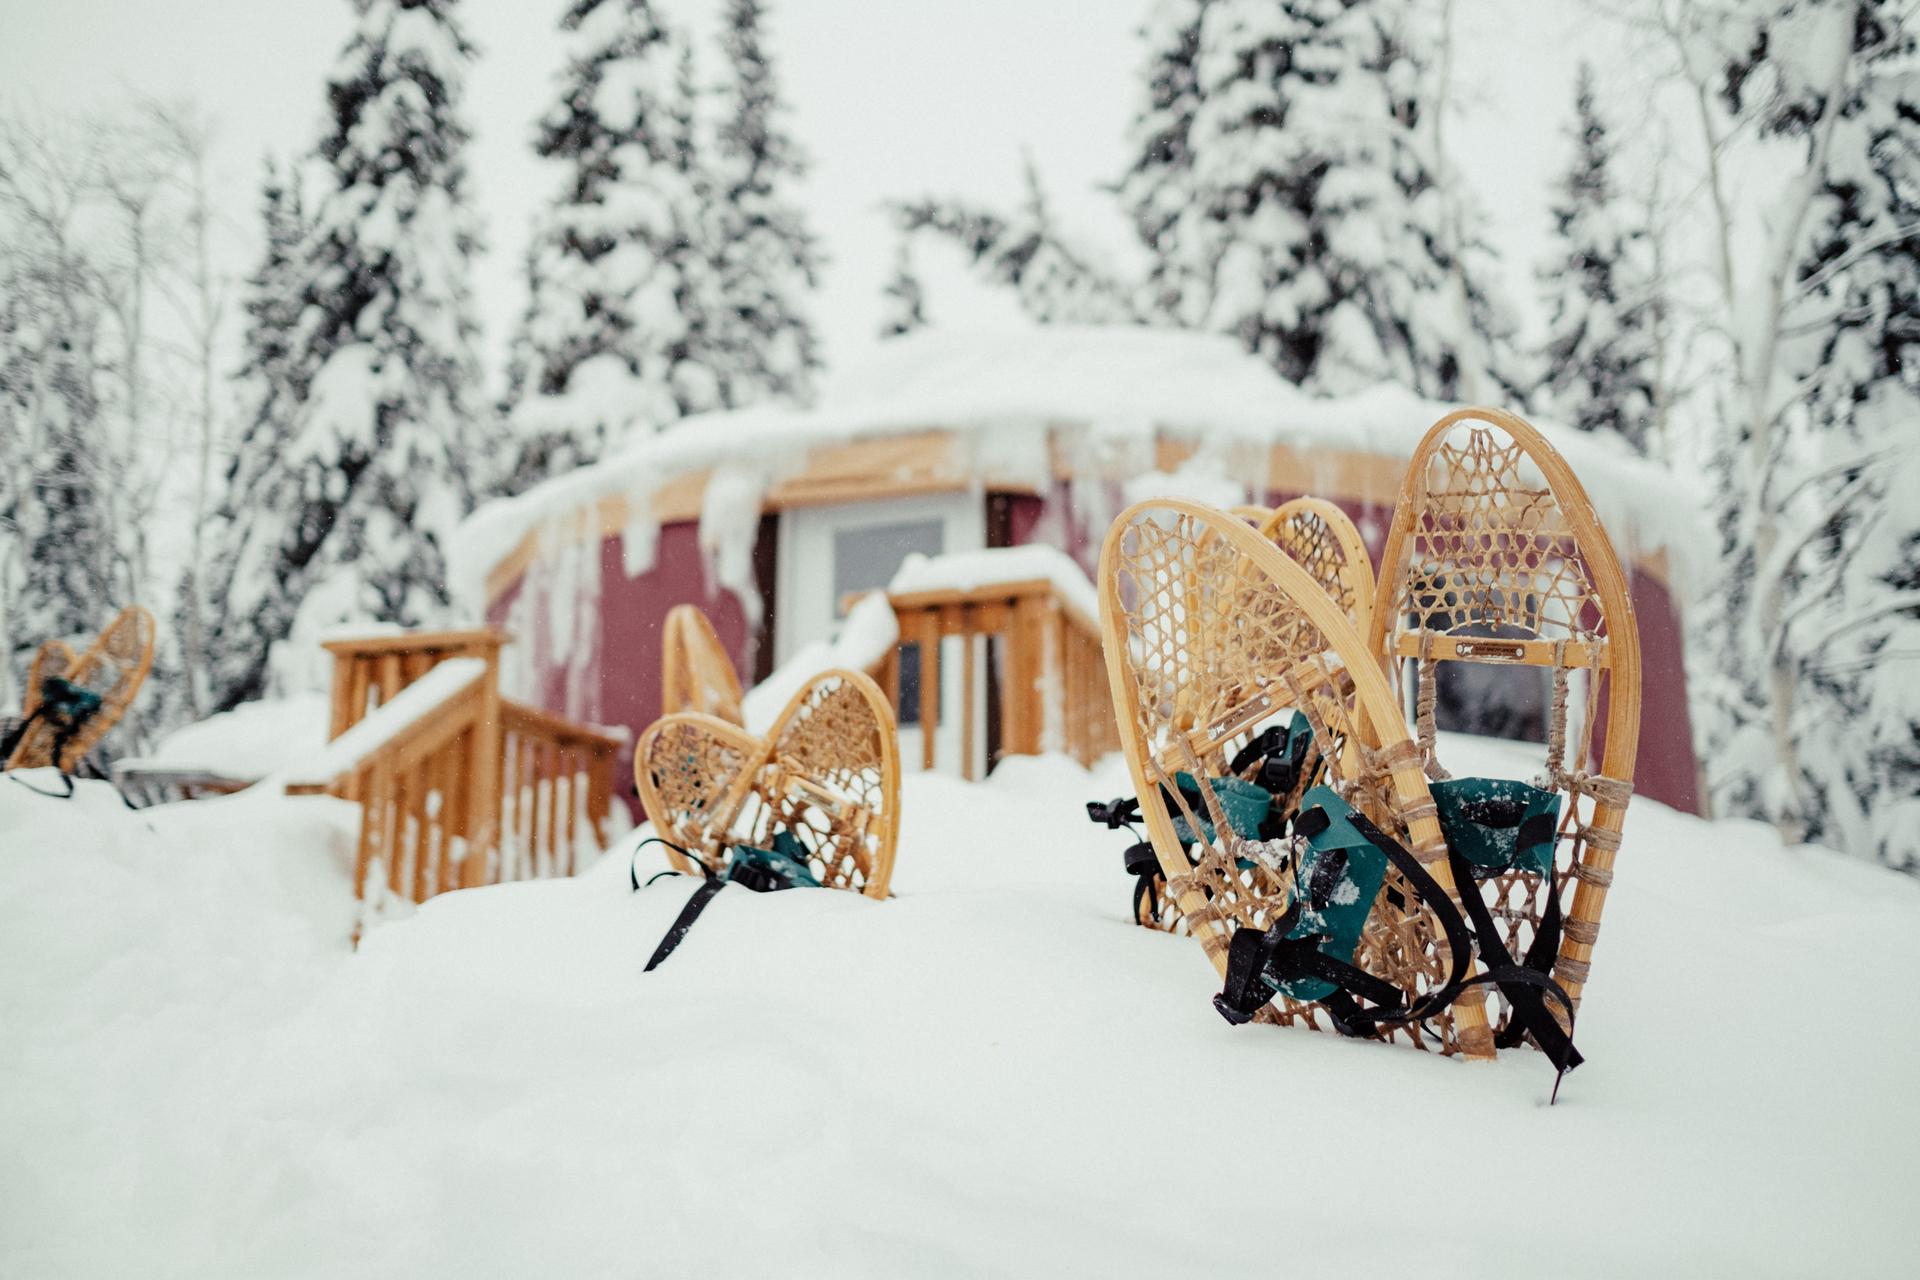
[684, 921]
[1143, 864]
[1526, 985]
[1115, 813]
[1254, 955]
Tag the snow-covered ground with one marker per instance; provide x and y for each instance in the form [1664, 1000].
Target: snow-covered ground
[995, 1072]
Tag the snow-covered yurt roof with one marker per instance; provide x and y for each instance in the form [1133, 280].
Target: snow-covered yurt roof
[1015, 410]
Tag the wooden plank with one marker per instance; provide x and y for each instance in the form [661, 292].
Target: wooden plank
[464, 641]
[1532, 653]
[1033, 626]
[1019, 658]
[550, 831]
[968, 679]
[570, 763]
[339, 714]
[599, 795]
[943, 597]
[929, 638]
[390, 682]
[522, 718]
[359, 677]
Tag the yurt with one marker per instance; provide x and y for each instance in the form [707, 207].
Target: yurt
[772, 519]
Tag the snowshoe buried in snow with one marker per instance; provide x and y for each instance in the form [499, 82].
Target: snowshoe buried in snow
[827, 778]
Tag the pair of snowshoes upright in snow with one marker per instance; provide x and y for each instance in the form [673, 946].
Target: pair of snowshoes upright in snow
[813, 804]
[73, 701]
[821, 789]
[1313, 843]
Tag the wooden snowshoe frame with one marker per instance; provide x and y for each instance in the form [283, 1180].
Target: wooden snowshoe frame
[695, 672]
[1211, 634]
[1496, 556]
[1320, 538]
[115, 666]
[828, 773]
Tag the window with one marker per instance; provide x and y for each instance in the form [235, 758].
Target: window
[865, 558]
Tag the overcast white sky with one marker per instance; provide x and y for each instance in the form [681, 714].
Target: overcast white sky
[891, 97]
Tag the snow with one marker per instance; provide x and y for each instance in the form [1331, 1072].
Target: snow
[1113, 385]
[999, 566]
[247, 743]
[865, 636]
[992, 1073]
[386, 722]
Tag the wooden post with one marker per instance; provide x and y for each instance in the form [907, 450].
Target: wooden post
[967, 643]
[929, 685]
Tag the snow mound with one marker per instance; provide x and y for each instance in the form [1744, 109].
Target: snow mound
[247, 743]
[988, 1074]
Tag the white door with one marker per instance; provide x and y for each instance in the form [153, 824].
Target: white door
[828, 553]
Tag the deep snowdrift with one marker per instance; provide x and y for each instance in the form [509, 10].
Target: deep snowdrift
[993, 1072]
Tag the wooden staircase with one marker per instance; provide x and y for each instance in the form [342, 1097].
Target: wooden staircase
[459, 786]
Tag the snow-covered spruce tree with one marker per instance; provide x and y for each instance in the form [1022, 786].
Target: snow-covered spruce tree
[1055, 282]
[389, 442]
[619, 334]
[1600, 353]
[903, 301]
[1329, 247]
[1814, 618]
[1158, 190]
[769, 259]
[1852, 553]
[274, 384]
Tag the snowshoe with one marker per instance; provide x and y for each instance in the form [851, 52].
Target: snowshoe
[1214, 637]
[1318, 536]
[827, 778]
[72, 703]
[695, 672]
[1496, 559]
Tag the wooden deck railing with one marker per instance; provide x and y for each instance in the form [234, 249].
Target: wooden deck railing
[556, 790]
[369, 671]
[1052, 671]
[458, 786]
